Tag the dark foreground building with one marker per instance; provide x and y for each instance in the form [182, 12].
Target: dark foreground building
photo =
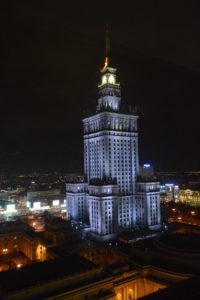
[108, 272]
[72, 277]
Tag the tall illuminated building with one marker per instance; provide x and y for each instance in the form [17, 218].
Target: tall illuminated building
[111, 198]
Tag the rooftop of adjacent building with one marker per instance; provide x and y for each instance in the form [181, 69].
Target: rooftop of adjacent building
[11, 226]
[175, 252]
[103, 181]
[75, 179]
[147, 179]
[185, 290]
[40, 273]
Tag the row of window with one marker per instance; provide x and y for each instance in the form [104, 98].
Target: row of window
[112, 124]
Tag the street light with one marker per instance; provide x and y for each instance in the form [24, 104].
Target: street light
[19, 266]
[5, 250]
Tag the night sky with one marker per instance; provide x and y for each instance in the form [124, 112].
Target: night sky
[51, 56]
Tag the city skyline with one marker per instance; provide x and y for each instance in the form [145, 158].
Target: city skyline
[50, 76]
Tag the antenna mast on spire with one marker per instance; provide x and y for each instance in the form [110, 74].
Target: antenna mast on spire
[107, 57]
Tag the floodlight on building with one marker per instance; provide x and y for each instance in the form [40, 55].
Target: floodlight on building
[56, 202]
[36, 205]
[10, 208]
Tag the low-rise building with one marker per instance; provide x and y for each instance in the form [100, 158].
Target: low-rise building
[190, 197]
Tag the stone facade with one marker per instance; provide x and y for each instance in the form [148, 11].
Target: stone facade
[110, 197]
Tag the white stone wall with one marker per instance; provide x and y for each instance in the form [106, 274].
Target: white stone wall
[76, 201]
[102, 214]
[148, 208]
[111, 151]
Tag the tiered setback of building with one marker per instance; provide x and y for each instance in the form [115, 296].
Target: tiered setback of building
[111, 198]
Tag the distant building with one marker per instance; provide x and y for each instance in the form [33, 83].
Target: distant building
[7, 206]
[146, 171]
[39, 198]
[169, 192]
[190, 197]
[16, 237]
[111, 197]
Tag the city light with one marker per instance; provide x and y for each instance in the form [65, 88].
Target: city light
[10, 208]
[36, 205]
[19, 266]
[146, 165]
[56, 202]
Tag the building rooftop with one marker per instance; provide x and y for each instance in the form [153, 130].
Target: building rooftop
[57, 251]
[104, 181]
[173, 252]
[39, 273]
[185, 290]
[141, 179]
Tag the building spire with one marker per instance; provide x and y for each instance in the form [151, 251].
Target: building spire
[107, 53]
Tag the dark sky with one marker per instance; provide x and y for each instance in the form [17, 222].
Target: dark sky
[51, 55]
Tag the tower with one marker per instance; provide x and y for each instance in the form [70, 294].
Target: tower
[111, 148]
[111, 163]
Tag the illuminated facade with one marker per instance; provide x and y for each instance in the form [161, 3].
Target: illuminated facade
[111, 197]
[14, 243]
[190, 197]
[169, 192]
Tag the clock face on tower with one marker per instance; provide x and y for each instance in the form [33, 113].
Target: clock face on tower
[111, 79]
[108, 79]
[104, 79]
